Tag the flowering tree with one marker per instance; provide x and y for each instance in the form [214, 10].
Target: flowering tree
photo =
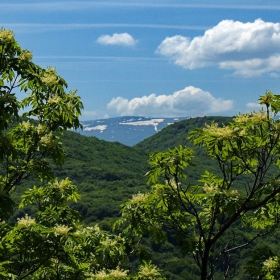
[25, 145]
[53, 243]
[203, 215]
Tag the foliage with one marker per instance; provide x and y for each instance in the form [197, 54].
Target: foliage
[175, 134]
[107, 174]
[25, 145]
[55, 245]
[51, 243]
[202, 214]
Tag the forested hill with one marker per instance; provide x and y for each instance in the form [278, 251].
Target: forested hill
[109, 173]
[106, 174]
[176, 134]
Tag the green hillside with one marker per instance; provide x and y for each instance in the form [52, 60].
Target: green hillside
[106, 174]
[177, 133]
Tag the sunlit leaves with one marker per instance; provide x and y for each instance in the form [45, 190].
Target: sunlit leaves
[30, 129]
[170, 163]
[52, 243]
[246, 188]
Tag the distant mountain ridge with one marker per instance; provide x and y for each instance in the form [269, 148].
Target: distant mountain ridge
[128, 130]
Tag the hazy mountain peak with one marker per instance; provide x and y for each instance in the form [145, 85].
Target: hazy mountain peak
[128, 130]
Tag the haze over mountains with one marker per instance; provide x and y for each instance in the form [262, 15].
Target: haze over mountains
[128, 130]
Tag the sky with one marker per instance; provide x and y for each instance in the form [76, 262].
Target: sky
[155, 58]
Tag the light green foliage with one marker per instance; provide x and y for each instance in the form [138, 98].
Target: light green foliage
[52, 243]
[263, 264]
[25, 144]
[55, 245]
[202, 215]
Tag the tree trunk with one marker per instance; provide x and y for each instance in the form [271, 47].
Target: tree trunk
[204, 265]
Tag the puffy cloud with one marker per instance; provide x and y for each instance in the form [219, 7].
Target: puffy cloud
[254, 106]
[190, 101]
[250, 49]
[122, 39]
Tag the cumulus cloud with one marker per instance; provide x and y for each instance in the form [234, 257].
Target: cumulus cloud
[249, 49]
[189, 101]
[121, 39]
[254, 106]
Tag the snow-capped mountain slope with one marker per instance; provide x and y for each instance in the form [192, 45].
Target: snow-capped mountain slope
[127, 130]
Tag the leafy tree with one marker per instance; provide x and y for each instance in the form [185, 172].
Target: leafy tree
[52, 244]
[55, 245]
[25, 145]
[204, 215]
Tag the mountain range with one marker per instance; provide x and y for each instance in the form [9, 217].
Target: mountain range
[128, 130]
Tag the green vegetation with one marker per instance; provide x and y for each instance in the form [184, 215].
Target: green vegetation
[107, 175]
[203, 215]
[25, 145]
[176, 134]
[52, 243]
[209, 213]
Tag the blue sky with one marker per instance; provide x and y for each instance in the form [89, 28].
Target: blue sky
[156, 58]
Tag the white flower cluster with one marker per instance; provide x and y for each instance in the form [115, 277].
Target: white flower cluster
[6, 36]
[26, 221]
[223, 132]
[272, 263]
[108, 243]
[48, 140]
[54, 100]
[111, 274]
[25, 55]
[61, 229]
[136, 198]
[26, 125]
[50, 77]
[149, 271]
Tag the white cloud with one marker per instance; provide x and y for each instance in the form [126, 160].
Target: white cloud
[249, 49]
[123, 39]
[190, 101]
[88, 115]
[254, 106]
